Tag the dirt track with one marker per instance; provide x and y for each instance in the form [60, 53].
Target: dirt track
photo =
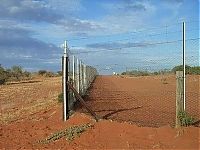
[31, 112]
[145, 101]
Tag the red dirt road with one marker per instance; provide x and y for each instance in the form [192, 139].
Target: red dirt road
[145, 101]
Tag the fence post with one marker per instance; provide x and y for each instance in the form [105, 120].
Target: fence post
[78, 79]
[65, 86]
[87, 77]
[179, 96]
[73, 70]
[80, 76]
[184, 89]
[73, 74]
[84, 78]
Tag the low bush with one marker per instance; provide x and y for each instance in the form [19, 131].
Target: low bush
[189, 70]
[60, 98]
[2, 81]
[46, 73]
[42, 72]
[15, 73]
[185, 119]
[49, 74]
[136, 73]
[59, 73]
[3, 75]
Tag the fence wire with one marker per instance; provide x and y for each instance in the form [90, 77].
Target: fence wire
[143, 90]
[80, 76]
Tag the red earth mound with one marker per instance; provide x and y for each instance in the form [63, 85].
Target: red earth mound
[105, 134]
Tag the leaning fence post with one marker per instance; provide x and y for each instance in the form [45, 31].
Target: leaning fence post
[179, 96]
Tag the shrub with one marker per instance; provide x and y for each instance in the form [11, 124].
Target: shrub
[195, 70]
[180, 68]
[189, 70]
[155, 73]
[16, 72]
[27, 74]
[185, 119]
[2, 81]
[46, 73]
[3, 75]
[42, 72]
[60, 98]
[123, 73]
[59, 73]
[49, 74]
[136, 73]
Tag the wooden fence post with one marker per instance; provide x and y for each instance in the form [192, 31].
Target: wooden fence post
[179, 96]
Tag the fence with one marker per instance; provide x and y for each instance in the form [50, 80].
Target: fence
[79, 75]
[149, 65]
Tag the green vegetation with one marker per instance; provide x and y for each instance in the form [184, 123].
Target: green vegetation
[15, 73]
[60, 98]
[3, 75]
[59, 73]
[145, 73]
[185, 119]
[189, 70]
[70, 133]
[136, 73]
[42, 72]
[46, 73]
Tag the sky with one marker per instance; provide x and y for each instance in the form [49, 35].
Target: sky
[111, 35]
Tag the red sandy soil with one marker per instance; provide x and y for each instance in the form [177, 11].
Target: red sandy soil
[104, 135]
[24, 122]
[145, 101]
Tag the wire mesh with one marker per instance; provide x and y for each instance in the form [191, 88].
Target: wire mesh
[145, 91]
[80, 76]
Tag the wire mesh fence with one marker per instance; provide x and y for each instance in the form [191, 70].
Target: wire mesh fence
[80, 76]
[144, 92]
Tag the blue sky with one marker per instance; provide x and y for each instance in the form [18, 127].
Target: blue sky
[112, 35]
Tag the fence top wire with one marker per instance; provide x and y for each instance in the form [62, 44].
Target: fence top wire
[138, 45]
[134, 32]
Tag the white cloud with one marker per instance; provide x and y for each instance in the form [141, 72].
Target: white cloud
[28, 10]
[66, 6]
[124, 17]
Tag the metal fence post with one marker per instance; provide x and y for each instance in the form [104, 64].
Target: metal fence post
[184, 87]
[78, 80]
[73, 74]
[84, 78]
[65, 86]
